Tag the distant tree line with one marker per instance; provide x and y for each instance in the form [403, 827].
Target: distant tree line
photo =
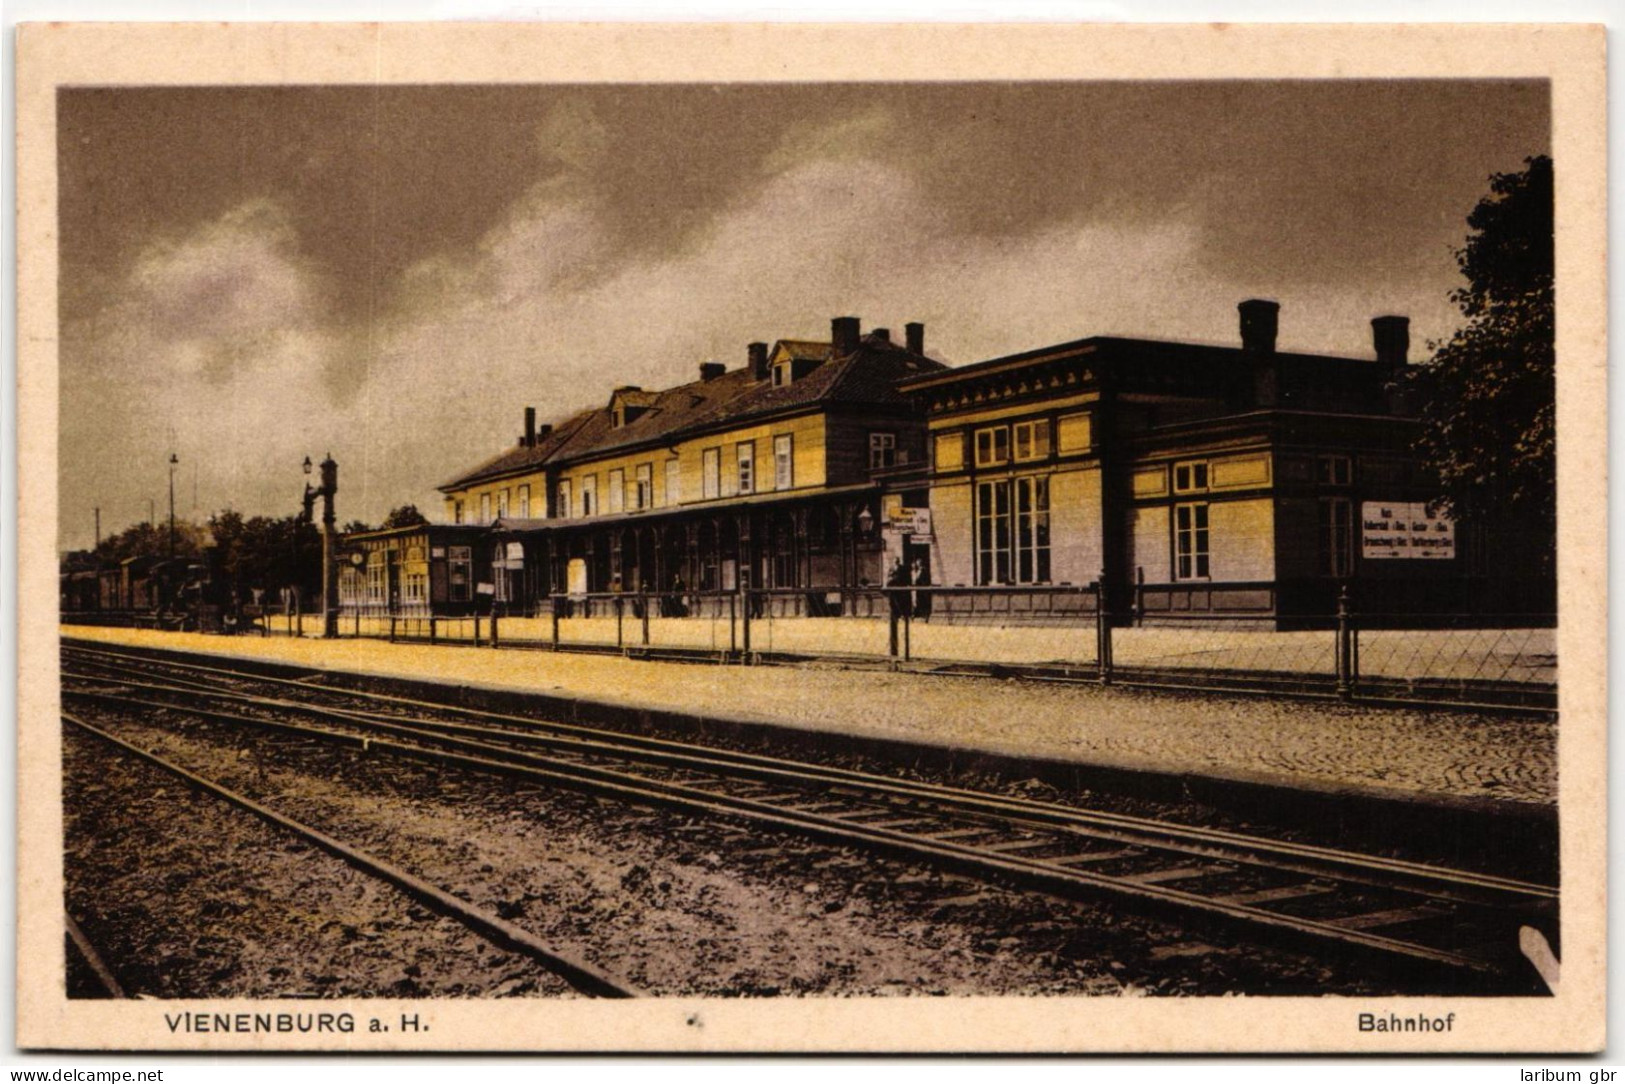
[263, 553]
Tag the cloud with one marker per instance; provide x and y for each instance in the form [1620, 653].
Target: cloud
[223, 333]
[544, 316]
[213, 346]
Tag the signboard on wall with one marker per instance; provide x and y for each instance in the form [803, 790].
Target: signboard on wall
[1405, 530]
[909, 521]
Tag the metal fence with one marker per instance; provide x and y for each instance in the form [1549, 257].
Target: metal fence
[1061, 632]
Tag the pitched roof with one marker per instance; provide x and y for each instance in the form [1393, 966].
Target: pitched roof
[867, 376]
[522, 458]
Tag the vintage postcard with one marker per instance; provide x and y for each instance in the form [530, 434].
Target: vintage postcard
[811, 538]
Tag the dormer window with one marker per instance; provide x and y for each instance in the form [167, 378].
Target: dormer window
[627, 404]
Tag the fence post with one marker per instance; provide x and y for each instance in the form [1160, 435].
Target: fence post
[645, 603]
[1345, 654]
[494, 642]
[1103, 632]
[553, 603]
[891, 623]
[476, 628]
[619, 640]
[733, 642]
[744, 604]
[391, 628]
[908, 628]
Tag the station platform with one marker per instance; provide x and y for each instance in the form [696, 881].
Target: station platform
[1432, 757]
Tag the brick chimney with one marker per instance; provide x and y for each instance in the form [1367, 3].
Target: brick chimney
[530, 427]
[1258, 327]
[757, 353]
[1259, 321]
[915, 338]
[710, 370]
[1391, 337]
[843, 335]
[881, 334]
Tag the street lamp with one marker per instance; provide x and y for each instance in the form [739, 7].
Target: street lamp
[173, 460]
[330, 567]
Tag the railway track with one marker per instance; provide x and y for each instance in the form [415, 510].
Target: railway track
[1404, 915]
[492, 928]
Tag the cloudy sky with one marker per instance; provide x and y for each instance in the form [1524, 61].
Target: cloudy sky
[249, 276]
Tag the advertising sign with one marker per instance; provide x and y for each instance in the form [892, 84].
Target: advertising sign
[1405, 530]
[910, 521]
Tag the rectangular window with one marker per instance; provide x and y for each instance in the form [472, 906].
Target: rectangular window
[457, 512]
[1190, 542]
[882, 450]
[1336, 536]
[1335, 470]
[502, 503]
[1190, 477]
[460, 560]
[485, 508]
[589, 495]
[1032, 530]
[524, 502]
[415, 584]
[674, 482]
[711, 473]
[562, 509]
[617, 491]
[993, 446]
[1012, 531]
[747, 466]
[993, 532]
[376, 577]
[644, 495]
[784, 463]
[1032, 440]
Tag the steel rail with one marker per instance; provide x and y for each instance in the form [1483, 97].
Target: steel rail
[92, 958]
[1051, 876]
[1392, 874]
[498, 931]
[1378, 871]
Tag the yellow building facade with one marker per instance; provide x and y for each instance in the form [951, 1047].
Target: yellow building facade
[770, 474]
[1181, 479]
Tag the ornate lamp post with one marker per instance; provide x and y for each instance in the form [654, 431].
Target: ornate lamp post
[330, 566]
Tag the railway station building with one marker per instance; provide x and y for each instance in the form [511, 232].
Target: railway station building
[769, 475]
[1187, 479]
[427, 570]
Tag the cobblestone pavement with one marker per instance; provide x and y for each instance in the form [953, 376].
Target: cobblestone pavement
[1404, 750]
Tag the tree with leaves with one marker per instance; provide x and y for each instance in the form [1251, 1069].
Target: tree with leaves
[407, 515]
[268, 553]
[1489, 394]
[151, 540]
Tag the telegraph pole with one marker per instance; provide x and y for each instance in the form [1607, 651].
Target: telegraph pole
[98, 527]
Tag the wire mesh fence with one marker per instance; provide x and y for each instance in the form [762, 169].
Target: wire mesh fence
[1060, 630]
[1494, 657]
